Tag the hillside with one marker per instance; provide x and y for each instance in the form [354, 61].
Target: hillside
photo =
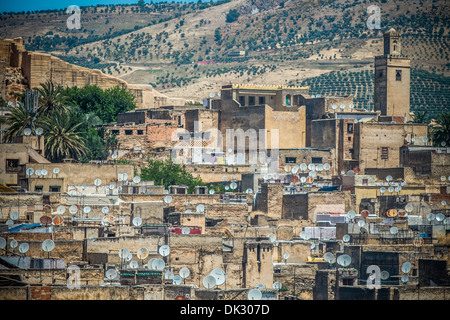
[190, 49]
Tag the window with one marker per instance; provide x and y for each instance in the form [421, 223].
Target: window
[291, 160]
[262, 100]
[316, 160]
[55, 189]
[365, 182]
[251, 101]
[349, 127]
[38, 188]
[115, 132]
[242, 100]
[12, 165]
[140, 132]
[288, 100]
[128, 132]
[384, 153]
[350, 151]
[398, 75]
[349, 138]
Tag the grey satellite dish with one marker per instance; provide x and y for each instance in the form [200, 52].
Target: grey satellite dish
[111, 274]
[9, 223]
[334, 106]
[38, 173]
[128, 257]
[277, 285]
[168, 275]
[27, 131]
[344, 260]
[397, 189]
[184, 272]
[361, 223]
[168, 199]
[260, 286]
[350, 173]
[391, 189]
[440, 217]
[311, 167]
[303, 179]
[105, 210]
[329, 257]
[254, 294]
[312, 174]
[303, 167]
[405, 278]
[342, 106]
[73, 209]
[137, 179]
[248, 191]
[24, 247]
[312, 245]
[219, 276]
[351, 105]
[44, 172]
[55, 170]
[224, 178]
[382, 190]
[431, 216]
[233, 185]
[188, 211]
[142, 253]
[134, 264]
[443, 202]
[137, 221]
[209, 282]
[164, 250]
[48, 245]
[13, 244]
[200, 208]
[29, 171]
[286, 256]
[346, 238]
[393, 230]
[424, 139]
[384, 275]
[351, 214]
[61, 209]
[97, 182]
[185, 230]
[124, 253]
[39, 131]
[406, 267]
[177, 280]
[2, 243]
[326, 166]
[150, 263]
[295, 169]
[272, 237]
[409, 207]
[87, 209]
[14, 215]
[212, 94]
[320, 168]
[389, 178]
[111, 186]
[304, 235]
[211, 191]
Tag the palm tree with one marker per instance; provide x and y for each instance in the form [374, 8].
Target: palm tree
[62, 136]
[18, 119]
[441, 132]
[51, 97]
[420, 117]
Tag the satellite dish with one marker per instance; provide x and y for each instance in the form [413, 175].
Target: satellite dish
[409, 207]
[224, 178]
[303, 179]
[209, 282]
[389, 178]
[125, 176]
[44, 172]
[311, 167]
[188, 211]
[168, 199]
[58, 220]
[114, 156]
[393, 230]
[211, 191]
[443, 202]
[137, 179]
[97, 182]
[342, 106]
[406, 267]
[329, 257]
[24, 247]
[9, 223]
[61, 209]
[142, 253]
[295, 169]
[344, 260]
[254, 294]
[382, 190]
[45, 220]
[124, 253]
[111, 186]
[334, 106]
[351, 105]
[184, 272]
[27, 131]
[277, 285]
[134, 264]
[2, 243]
[312, 174]
[351, 214]
[350, 173]
[272, 237]
[219, 276]
[105, 210]
[312, 245]
[304, 235]
[168, 275]
[185, 230]
[48, 245]
[260, 286]
[212, 94]
[440, 217]
[391, 189]
[177, 280]
[200, 208]
[303, 167]
[164, 250]
[384, 275]
[227, 187]
[286, 256]
[443, 178]
[361, 223]
[111, 274]
[29, 171]
[13, 244]
[248, 191]
[320, 168]
[73, 209]
[326, 166]
[55, 170]
[346, 238]
[39, 131]
[14, 215]
[233, 185]
[137, 221]
[431, 216]
[405, 278]
[87, 209]
[424, 139]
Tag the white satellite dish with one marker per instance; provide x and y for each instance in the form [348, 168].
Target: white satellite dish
[48, 245]
[391, 189]
[212, 94]
[177, 280]
[233, 185]
[320, 168]
[114, 156]
[164, 250]
[286, 256]
[142, 253]
[124, 253]
[168, 199]
[111, 274]
[295, 169]
[311, 167]
[361, 223]
[87, 209]
[344, 260]
[431, 216]
[351, 214]
[409, 207]
[272, 237]
[137, 179]
[277, 285]
[134, 264]
[97, 182]
[424, 139]
[24, 247]
[326, 166]
[406, 267]
[61, 209]
[405, 278]
[303, 179]
[29, 171]
[219, 275]
[168, 275]
[200, 208]
[440, 217]
[254, 294]
[443, 178]
[111, 186]
[305, 235]
[334, 106]
[260, 286]
[389, 178]
[443, 202]
[211, 191]
[303, 167]
[329, 257]
[39, 131]
[342, 106]
[105, 210]
[185, 230]
[209, 282]
[27, 131]
[38, 173]
[13, 244]
[393, 230]
[382, 190]
[188, 211]
[137, 221]
[346, 238]
[184, 272]
[55, 170]
[158, 264]
[73, 209]
[14, 215]
[44, 172]
[249, 190]
[351, 105]
[2, 243]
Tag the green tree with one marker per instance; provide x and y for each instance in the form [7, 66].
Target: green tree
[420, 117]
[232, 15]
[168, 173]
[51, 97]
[18, 120]
[441, 132]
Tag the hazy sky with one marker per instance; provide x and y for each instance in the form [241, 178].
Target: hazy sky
[32, 5]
